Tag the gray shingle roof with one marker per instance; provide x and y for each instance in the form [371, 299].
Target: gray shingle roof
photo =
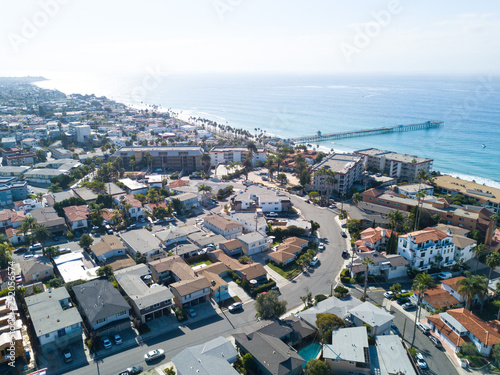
[98, 299]
[35, 265]
[371, 314]
[348, 344]
[331, 305]
[210, 358]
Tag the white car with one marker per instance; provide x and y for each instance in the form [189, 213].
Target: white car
[154, 354]
[273, 214]
[235, 306]
[389, 294]
[314, 261]
[118, 339]
[421, 361]
[28, 256]
[321, 247]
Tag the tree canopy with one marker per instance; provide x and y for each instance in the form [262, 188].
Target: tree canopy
[268, 305]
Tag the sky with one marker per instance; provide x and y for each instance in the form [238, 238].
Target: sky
[45, 37]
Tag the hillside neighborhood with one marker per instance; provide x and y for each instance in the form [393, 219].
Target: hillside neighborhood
[135, 242]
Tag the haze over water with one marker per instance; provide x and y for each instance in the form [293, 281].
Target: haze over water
[294, 105]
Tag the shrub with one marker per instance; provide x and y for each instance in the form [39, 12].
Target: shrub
[263, 288]
[180, 315]
[320, 297]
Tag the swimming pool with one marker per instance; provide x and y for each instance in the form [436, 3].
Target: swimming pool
[310, 351]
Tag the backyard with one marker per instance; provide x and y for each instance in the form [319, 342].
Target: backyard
[288, 271]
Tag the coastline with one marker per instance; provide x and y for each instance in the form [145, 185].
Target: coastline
[184, 114]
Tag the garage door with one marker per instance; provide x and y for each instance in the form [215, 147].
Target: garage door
[158, 314]
[149, 317]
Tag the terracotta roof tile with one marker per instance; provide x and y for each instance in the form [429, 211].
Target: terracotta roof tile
[452, 283]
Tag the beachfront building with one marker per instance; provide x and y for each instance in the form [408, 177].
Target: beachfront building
[179, 159]
[221, 154]
[467, 217]
[404, 167]
[487, 197]
[412, 190]
[336, 173]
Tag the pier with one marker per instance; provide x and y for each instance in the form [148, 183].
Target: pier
[361, 133]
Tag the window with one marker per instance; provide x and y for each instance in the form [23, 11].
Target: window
[121, 313]
[351, 363]
[100, 321]
[47, 335]
[156, 305]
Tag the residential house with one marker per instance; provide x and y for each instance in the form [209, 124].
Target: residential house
[219, 288]
[254, 243]
[436, 298]
[212, 357]
[189, 200]
[11, 337]
[29, 142]
[135, 211]
[36, 269]
[271, 355]
[175, 235]
[348, 353]
[54, 321]
[16, 157]
[452, 286]
[232, 247]
[13, 236]
[42, 176]
[108, 247]
[228, 228]
[427, 247]
[75, 266]
[134, 187]
[28, 205]
[267, 199]
[53, 198]
[458, 326]
[252, 271]
[48, 217]
[144, 242]
[76, 217]
[204, 240]
[10, 171]
[404, 167]
[370, 214]
[378, 320]
[171, 269]
[389, 357]
[288, 251]
[85, 193]
[191, 292]
[251, 221]
[102, 306]
[391, 267]
[148, 301]
[374, 239]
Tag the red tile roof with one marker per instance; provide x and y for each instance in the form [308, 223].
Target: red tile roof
[427, 234]
[76, 213]
[452, 283]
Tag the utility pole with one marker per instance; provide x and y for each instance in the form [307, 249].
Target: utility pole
[404, 328]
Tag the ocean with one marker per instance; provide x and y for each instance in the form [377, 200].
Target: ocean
[466, 146]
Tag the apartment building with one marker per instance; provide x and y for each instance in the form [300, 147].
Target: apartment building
[347, 169]
[467, 217]
[403, 166]
[230, 229]
[221, 154]
[267, 199]
[186, 159]
[487, 197]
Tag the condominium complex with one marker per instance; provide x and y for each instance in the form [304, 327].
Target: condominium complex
[165, 158]
[347, 169]
[404, 167]
[235, 154]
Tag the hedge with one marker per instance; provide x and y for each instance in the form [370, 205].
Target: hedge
[262, 288]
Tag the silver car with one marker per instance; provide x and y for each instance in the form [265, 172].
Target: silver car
[154, 354]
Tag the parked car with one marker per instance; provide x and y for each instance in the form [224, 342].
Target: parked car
[344, 225]
[344, 234]
[36, 246]
[421, 361]
[307, 201]
[235, 306]
[276, 288]
[436, 342]
[106, 343]
[314, 261]
[422, 327]
[332, 206]
[395, 329]
[28, 256]
[345, 254]
[272, 214]
[21, 250]
[191, 313]
[389, 294]
[409, 306]
[118, 339]
[134, 370]
[154, 354]
[131, 226]
[142, 220]
[67, 356]
[402, 301]
[321, 247]
[405, 291]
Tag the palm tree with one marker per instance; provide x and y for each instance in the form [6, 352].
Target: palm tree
[356, 198]
[492, 261]
[27, 225]
[421, 283]
[396, 220]
[470, 287]
[41, 234]
[367, 262]
[478, 251]
[96, 214]
[205, 191]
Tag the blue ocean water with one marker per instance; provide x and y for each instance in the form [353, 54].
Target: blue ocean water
[292, 106]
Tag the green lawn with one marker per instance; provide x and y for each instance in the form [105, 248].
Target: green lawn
[204, 261]
[288, 271]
